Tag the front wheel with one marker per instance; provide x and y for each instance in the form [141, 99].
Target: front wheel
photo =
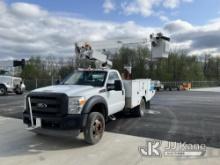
[95, 127]
[3, 90]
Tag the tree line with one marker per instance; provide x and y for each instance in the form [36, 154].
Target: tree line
[179, 66]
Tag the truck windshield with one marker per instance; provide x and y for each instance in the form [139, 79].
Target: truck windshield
[93, 78]
[5, 73]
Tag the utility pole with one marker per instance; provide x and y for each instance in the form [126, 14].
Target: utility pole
[218, 69]
[151, 63]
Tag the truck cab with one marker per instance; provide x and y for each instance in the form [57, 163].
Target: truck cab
[82, 102]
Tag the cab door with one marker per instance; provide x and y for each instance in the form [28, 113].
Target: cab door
[115, 98]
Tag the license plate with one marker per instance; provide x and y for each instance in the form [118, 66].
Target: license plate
[38, 122]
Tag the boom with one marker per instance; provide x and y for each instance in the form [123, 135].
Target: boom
[99, 50]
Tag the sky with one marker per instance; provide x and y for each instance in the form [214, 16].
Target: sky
[45, 28]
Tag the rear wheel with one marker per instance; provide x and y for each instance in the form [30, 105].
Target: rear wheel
[139, 111]
[94, 128]
[148, 105]
[18, 91]
[3, 90]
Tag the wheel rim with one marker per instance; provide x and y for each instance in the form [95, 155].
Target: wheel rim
[19, 90]
[97, 129]
[142, 107]
[2, 91]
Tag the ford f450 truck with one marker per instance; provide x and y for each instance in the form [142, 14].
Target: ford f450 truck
[88, 98]
[84, 102]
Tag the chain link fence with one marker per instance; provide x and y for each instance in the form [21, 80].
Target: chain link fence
[195, 84]
[37, 83]
[199, 84]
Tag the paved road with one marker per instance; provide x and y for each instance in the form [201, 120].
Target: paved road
[20, 147]
[12, 105]
[192, 117]
[213, 89]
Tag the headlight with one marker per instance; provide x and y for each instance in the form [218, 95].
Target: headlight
[76, 104]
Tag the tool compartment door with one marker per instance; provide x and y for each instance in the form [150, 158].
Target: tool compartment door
[135, 90]
[132, 93]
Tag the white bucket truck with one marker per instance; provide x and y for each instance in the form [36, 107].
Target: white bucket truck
[85, 100]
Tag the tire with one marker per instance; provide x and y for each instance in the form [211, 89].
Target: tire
[148, 105]
[94, 129]
[18, 91]
[3, 90]
[139, 110]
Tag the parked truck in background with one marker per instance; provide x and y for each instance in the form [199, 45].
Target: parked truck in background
[157, 85]
[10, 84]
[179, 86]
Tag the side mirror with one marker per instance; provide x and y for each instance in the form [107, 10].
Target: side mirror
[110, 87]
[118, 85]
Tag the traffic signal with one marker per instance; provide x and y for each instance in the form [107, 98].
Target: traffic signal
[19, 63]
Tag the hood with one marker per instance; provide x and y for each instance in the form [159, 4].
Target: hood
[70, 90]
[10, 77]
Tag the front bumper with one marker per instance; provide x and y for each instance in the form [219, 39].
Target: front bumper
[57, 133]
[23, 87]
[54, 117]
[70, 124]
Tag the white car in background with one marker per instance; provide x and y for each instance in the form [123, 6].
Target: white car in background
[158, 85]
[10, 84]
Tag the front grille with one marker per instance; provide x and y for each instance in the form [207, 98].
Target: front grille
[54, 104]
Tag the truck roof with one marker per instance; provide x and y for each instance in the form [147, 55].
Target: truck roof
[4, 76]
[93, 69]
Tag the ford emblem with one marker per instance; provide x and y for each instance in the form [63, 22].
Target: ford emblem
[42, 105]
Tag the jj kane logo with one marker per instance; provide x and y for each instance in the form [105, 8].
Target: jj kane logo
[172, 149]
